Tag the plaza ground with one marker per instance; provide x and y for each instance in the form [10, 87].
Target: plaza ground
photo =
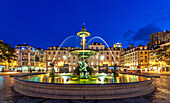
[8, 95]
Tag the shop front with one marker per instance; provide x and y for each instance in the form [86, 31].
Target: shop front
[2, 68]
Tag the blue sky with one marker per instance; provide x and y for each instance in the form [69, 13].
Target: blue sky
[44, 23]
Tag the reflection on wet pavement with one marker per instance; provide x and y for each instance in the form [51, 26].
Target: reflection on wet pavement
[161, 94]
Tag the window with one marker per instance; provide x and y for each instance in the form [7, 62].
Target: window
[141, 52]
[91, 47]
[116, 58]
[64, 52]
[141, 57]
[54, 53]
[155, 42]
[49, 58]
[58, 52]
[107, 58]
[140, 48]
[141, 62]
[74, 58]
[145, 57]
[159, 42]
[156, 35]
[101, 52]
[49, 52]
[101, 48]
[117, 53]
[145, 52]
[107, 53]
[96, 48]
[49, 63]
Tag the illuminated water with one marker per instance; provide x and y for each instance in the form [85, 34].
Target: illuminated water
[161, 94]
[96, 79]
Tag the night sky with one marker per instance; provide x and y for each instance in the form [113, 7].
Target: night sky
[44, 23]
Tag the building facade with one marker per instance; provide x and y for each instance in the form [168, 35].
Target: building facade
[61, 58]
[135, 58]
[157, 65]
[159, 38]
[30, 58]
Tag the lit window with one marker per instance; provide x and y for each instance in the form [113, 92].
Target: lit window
[22, 48]
[91, 63]
[140, 47]
[49, 58]
[64, 57]
[102, 57]
[155, 42]
[49, 63]
[141, 57]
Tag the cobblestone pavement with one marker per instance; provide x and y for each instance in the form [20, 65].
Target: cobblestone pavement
[161, 94]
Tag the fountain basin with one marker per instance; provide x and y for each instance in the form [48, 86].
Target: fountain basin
[83, 91]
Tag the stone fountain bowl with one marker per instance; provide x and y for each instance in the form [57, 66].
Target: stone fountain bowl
[83, 91]
[86, 53]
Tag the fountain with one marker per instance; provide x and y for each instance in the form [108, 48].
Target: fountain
[83, 53]
[83, 83]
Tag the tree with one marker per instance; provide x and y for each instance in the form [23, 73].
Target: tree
[164, 54]
[6, 53]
